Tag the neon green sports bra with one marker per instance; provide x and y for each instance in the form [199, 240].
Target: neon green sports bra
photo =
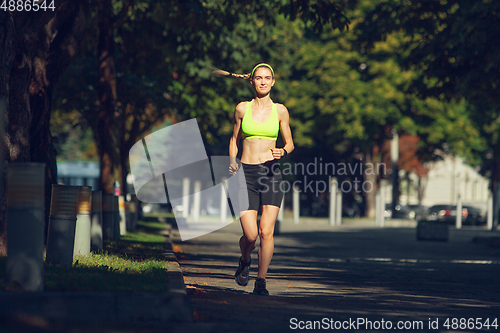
[267, 130]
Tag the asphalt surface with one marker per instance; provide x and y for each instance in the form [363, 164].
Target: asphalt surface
[355, 277]
[350, 277]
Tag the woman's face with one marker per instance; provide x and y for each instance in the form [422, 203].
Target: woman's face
[262, 80]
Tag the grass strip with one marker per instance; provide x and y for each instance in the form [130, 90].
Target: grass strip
[137, 262]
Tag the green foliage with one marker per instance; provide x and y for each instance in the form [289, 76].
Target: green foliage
[452, 45]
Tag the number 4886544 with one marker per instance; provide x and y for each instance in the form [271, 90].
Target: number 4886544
[470, 323]
[27, 5]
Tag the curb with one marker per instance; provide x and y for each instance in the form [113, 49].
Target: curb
[141, 308]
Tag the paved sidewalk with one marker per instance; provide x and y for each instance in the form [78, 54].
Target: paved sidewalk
[322, 275]
[101, 311]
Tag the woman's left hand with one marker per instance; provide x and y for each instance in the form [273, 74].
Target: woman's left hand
[277, 153]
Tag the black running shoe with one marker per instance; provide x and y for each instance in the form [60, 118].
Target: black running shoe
[242, 274]
[260, 287]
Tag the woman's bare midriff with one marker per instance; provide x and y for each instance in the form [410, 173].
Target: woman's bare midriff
[256, 151]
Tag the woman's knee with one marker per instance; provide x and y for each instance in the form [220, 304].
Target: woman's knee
[266, 233]
[250, 238]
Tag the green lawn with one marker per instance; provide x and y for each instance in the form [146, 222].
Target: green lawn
[136, 262]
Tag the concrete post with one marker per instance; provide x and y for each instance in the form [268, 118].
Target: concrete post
[338, 210]
[185, 197]
[489, 212]
[96, 221]
[83, 222]
[123, 215]
[196, 201]
[296, 204]
[108, 219]
[458, 218]
[333, 201]
[116, 218]
[223, 201]
[62, 224]
[281, 212]
[25, 219]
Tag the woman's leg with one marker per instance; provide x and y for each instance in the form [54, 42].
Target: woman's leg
[249, 239]
[266, 233]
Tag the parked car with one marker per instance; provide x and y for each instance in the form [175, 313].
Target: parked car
[445, 213]
[402, 212]
[472, 215]
[418, 212]
[448, 213]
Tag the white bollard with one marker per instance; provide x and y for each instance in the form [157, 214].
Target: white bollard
[333, 201]
[282, 209]
[296, 204]
[25, 215]
[83, 223]
[489, 212]
[223, 201]
[185, 197]
[338, 218]
[62, 224]
[458, 219]
[196, 201]
[383, 186]
[377, 208]
[123, 215]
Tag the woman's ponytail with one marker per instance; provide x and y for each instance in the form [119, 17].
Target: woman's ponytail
[219, 72]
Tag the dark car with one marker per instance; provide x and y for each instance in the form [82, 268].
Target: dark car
[448, 213]
[402, 212]
[445, 213]
[418, 212]
[472, 215]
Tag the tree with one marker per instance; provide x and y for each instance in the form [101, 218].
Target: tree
[35, 48]
[453, 45]
[347, 100]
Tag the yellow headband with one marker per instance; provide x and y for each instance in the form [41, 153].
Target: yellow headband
[260, 65]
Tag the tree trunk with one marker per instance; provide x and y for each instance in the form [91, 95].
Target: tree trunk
[6, 57]
[34, 51]
[103, 128]
[56, 46]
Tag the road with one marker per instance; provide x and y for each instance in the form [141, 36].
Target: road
[353, 276]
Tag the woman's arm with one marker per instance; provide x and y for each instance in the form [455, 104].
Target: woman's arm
[286, 133]
[239, 112]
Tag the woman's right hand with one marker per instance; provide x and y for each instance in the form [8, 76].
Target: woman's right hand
[233, 168]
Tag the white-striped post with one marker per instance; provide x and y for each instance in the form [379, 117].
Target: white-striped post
[281, 212]
[296, 204]
[223, 201]
[458, 218]
[333, 201]
[25, 215]
[196, 201]
[489, 212]
[185, 197]
[338, 211]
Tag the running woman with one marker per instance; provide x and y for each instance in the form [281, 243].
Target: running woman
[257, 123]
